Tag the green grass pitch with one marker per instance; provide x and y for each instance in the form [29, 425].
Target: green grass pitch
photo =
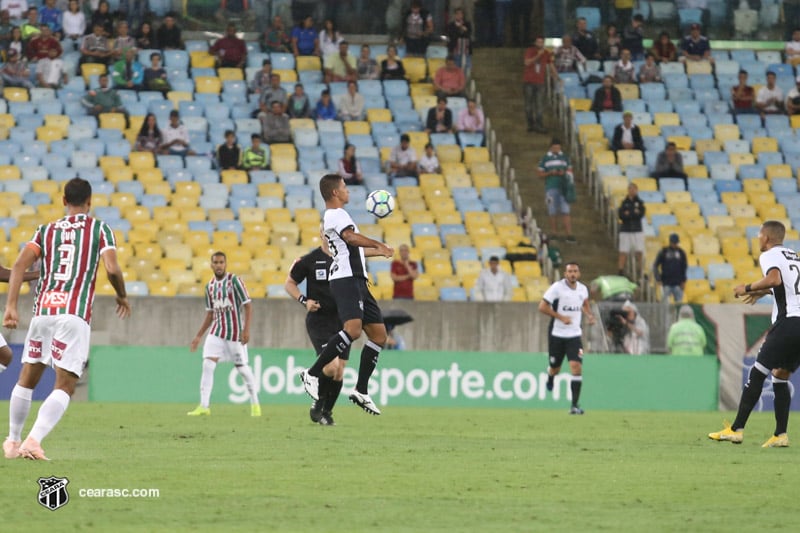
[411, 469]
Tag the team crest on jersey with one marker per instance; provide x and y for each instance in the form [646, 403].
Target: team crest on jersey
[53, 492]
[54, 299]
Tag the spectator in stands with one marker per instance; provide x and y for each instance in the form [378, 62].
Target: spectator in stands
[669, 269]
[73, 23]
[255, 156]
[351, 103]
[623, 9]
[14, 72]
[122, 42]
[155, 77]
[261, 80]
[103, 100]
[637, 333]
[664, 49]
[50, 70]
[104, 18]
[696, 47]
[404, 271]
[16, 8]
[449, 80]
[329, 39]
[607, 97]
[743, 96]
[669, 164]
[349, 167]
[230, 51]
[341, 66]
[612, 45]
[30, 27]
[128, 73]
[5, 29]
[429, 163]
[149, 138]
[624, 69]
[392, 67]
[793, 99]
[272, 93]
[275, 124]
[440, 118]
[95, 47]
[769, 99]
[585, 41]
[792, 48]
[238, 9]
[298, 105]
[459, 39]
[631, 234]
[567, 57]
[627, 136]
[538, 60]
[649, 72]
[493, 285]
[51, 16]
[633, 38]
[325, 110]
[276, 39]
[417, 29]
[229, 154]
[175, 137]
[135, 13]
[402, 159]
[305, 39]
[367, 67]
[168, 35]
[686, 336]
[470, 119]
[554, 168]
[146, 37]
[39, 46]
[16, 42]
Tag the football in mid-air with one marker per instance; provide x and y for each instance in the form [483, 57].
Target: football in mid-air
[380, 203]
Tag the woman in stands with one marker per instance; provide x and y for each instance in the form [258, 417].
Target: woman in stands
[149, 138]
[73, 23]
[16, 42]
[349, 168]
[664, 49]
[329, 39]
[612, 46]
[146, 37]
[392, 67]
[104, 18]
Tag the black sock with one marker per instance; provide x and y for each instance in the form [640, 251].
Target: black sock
[335, 347]
[333, 394]
[369, 360]
[575, 387]
[750, 395]
[783, 399]
[325, 383]
[550, 378]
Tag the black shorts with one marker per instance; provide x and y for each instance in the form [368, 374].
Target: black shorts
[321, 327]
[559, 347]
[353, 300]
[781, 348]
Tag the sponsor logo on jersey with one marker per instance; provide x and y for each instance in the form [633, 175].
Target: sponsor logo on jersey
[57, 349]
[66, 224]
[791, 255]
[34, 349]
[571, 308]
[54, 299]
[322, 274]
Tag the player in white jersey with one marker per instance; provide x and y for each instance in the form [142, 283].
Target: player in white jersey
[226, 298]
[5, 350]
[565, 302]
[780, 352]
[71, 250]
[356, 306]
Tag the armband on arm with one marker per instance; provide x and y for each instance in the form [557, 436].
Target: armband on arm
[302, 299]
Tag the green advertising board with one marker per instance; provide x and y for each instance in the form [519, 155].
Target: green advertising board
[479, 379]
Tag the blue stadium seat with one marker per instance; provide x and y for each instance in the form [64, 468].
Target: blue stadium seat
[453, 294]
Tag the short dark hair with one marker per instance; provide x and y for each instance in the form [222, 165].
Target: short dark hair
[743, 71]
[568, 263]
[775, 230]
[267, 61]
[327, 184]
[155, 54]
[671, 145]
[638, 17]
[229, 132]
[555, 141]
[494, 258]
[441, 99]
[405, 138]
[770, 73]
[255, 136]
[174, 113]
[77, 191]
[219, 253]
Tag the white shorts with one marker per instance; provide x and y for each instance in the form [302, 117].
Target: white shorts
[58, 340]
[226, 351]
[3, 342]
[629, 240]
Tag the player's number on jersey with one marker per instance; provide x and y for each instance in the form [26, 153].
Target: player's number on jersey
[796, 278]
[66, 256]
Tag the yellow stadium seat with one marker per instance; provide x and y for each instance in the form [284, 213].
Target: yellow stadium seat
[695, 290]
[10, 172]
[779, 171]
[580, 104]
[91, 69]
[416, 69]
[678, 197]
[149, 175]
[696, 171]
[304, 216]
[589, 132]
[421, 89]
[759, 198]
[357, 127]
[176, 97]
[47, 186]
[657, 209]
[286, 75]
[629, 91]
[475, 153]
[771, 212]
[738, 160]
[215, 215]
[741, 210]
[283, 164]
[49, 134]
[426, 294]
[232, 74]
[207, 85]
[646, 184]
[112, 121]
[162, 288]
[193, 214]
[726, 132]
[302, 123]
[666, 119]
[231, 177]
[202, 59]
[271, 189]
[278, 215]
[716, 221]
[309, 63]
[379, 115]
[118, 174]
[166, 214]
[629, 157]
[764, 144]
[427, 242]
[448, 153]
[734, 198]
[682, 142]
[701, 146]
[755, 185]
[698, 67]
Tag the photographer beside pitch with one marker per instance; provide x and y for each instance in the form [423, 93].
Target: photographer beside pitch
[565, 302]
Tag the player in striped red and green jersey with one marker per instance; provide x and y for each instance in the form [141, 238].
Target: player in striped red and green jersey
[71, 249]
[228, 314]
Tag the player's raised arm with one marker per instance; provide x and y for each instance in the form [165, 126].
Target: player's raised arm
[117, 281]
[357, 239]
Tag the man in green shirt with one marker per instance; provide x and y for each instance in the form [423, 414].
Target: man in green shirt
[685, 336]
[554, 168]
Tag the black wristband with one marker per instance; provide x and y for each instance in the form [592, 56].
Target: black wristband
[747, 288]
[302, 299]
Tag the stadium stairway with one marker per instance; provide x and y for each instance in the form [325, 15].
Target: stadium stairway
[503, 102]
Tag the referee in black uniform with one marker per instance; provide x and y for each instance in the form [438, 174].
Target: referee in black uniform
[322, 322]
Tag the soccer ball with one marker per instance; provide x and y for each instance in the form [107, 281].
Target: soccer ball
[380, 203]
